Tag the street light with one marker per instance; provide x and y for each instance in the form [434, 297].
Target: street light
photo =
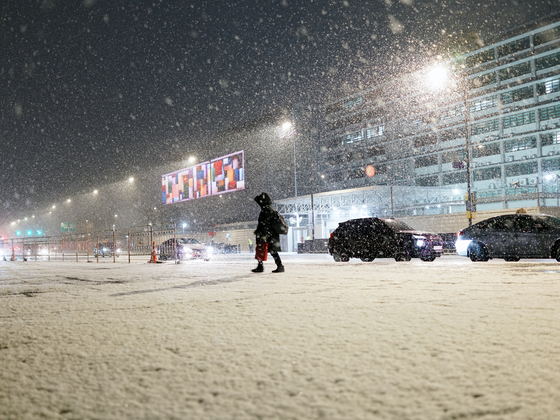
[289, 130]
[437, 78]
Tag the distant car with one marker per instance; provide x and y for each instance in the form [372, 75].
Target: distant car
[106, 250]
[371, 238]
[511, 237]
[187, 249]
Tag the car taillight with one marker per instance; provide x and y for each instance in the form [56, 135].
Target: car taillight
[459, 234]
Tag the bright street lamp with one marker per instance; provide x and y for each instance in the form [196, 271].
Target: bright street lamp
[438, 77]
[289, 130]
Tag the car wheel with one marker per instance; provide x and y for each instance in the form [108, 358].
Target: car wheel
[367, 259]
[402, 255]
[428, 258]
[512, 258]
[478, 252]
[336, 257]
[556, 251]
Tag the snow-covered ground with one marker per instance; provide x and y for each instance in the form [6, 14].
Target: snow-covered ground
[210, 340]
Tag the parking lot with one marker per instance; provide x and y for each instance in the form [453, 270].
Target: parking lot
[449, 339]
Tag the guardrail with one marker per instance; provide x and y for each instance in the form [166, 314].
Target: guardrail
[113, 245]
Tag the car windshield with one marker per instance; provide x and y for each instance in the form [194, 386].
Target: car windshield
[397, 224]
[550, 221]
[191, 241]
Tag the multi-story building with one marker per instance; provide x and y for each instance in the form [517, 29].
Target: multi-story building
[415, 136]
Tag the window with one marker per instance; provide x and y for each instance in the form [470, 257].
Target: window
[550, 138]
[374, 151]
[513, 47]
[453, 156]
[425, 140]
[457, 111]
[375, 131]
[349, 103]
[479, 58]
[549, 113]
[380, 169]
[487, 173]
[356, 173]
[548, 87]
[546, 36]
[549, 165]
[336, 160]
[485, 103]
[483, 150]
[484, 80]
[335, 177]
[454, 178]
[335, 142]
[524, 143]
[424, 161]
[356, 155]
[485, 126]
[428, 181]
[548, 61]
[452, 134]
[517, 95]
[519, 119]
[515, 71]
[521, 169]
[355, 137]
[329, 109]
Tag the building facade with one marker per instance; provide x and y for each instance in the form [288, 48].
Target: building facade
[414, 135]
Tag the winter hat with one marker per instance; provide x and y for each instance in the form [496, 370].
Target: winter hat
[263, 199]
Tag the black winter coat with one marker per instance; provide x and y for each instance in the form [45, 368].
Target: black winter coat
[265, 229]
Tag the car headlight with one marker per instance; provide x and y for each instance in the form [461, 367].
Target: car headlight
[209, 250]
[420, 241]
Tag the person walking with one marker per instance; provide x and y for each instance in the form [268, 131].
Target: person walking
[250, 242]
[267, 232]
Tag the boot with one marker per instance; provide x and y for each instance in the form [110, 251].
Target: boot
[259, 268]
[279, 269]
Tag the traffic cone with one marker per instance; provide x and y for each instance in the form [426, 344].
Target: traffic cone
[154, 253]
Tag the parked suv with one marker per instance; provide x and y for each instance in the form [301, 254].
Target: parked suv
[371, 238]
[511, 237]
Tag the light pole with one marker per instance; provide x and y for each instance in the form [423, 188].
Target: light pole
[555, 177]
[467, 147]
[289, 130]
[437, 78]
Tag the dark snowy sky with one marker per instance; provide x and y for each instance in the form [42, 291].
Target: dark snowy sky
[94, 90]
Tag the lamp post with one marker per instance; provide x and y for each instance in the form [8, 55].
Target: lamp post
[437, 77]
[467, 147]
[288, 130]
[554, 177]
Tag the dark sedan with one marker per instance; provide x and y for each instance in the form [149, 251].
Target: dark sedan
[511, 237]
[371, 238]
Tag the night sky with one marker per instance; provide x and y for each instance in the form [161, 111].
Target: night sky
[93, 91]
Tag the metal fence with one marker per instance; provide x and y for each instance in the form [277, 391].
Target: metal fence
[106, 246]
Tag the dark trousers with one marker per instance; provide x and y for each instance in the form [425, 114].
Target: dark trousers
[276, 257]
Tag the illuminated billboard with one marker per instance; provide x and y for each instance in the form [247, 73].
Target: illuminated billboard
[218, 176]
